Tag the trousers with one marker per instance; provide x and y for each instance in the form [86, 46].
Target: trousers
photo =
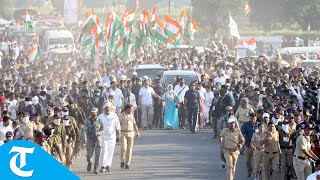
[273, 161]
[69, 154]
[93, 146]
[107, 152]
[158, 115]
[182, 112]
[286, 163]
[215, 125]
[231, 162]
[192, 117]
[257, 157]
[249, 155]
[147, 115]
[302, 168]
[126, 148]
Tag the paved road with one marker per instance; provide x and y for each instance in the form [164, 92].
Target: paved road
[168, 154]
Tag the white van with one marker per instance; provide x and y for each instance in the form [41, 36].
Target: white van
[169, 77]
[303, 53]
[57, 39]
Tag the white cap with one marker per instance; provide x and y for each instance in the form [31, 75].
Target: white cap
[145, 77]
[231, 119]
[108, 104]
[228, 84]
[265, 115]
[134, 74]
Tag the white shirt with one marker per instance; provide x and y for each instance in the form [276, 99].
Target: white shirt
[221, 80]
[118, 98]
[111, 124]
[312, 176]
[12, 108]
[146, 94]
[177, 90]
[208, 96]
[133, 100]
[3, 131]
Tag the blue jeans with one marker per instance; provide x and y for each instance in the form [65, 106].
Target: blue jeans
[192, 117]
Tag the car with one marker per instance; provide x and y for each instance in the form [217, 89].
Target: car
[150, 70]
[169, 77]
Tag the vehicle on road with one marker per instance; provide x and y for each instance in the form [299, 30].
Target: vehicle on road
[150, 70]
[169, 77]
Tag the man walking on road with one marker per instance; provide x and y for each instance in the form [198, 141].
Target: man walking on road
[192, 101]
[111, 133]
[93, 129]
[248, 129]
[231, 143]
[181, 89]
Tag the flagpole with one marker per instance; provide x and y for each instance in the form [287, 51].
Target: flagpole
[169, 6]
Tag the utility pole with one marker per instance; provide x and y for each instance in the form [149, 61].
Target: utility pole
[169, 6]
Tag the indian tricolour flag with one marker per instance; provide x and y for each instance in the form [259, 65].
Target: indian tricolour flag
[193, 28]
[182, 21]
[153, 16]
[159, 31]
[247, 8]
[29, 23]
[34, 51]
[130, 15]
[172, 28]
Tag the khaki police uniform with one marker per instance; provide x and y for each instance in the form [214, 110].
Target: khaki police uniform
[61, 132]
[38, 127]
[45, 146]
[286, 153]
[231, 149]
[270, 158]
[301, 162]
[28, 129]
[258, 152]
[127, 123]
[70, 143]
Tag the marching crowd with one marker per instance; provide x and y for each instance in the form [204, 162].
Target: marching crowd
[255, 106]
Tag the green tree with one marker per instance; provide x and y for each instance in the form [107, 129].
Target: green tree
[214, 14]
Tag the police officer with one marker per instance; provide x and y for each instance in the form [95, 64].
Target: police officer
[285, 141]
[93, 130]
[158, 104]
[192, 101]
[271, 152]
[128, 129]
[54, 142]
[71, 137]
[231, 143]
[258, 150]
[40, 139]
[60, 131]
[302, 154]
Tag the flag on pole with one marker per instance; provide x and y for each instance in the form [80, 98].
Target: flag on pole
[247, 8]
[182, 22]
[29, 23]
[137, 4]
[193, 29]
[130, 15]
[153, 16]
[251, 44]
[159, 31]
[34, 51]
[233, 27]
[172, 28]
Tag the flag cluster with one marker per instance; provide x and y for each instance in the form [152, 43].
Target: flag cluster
[118, 33]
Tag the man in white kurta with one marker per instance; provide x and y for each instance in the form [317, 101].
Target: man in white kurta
[112, 128]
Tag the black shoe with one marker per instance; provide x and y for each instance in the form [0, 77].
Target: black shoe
[108, 169]
[128, 167]
[150, 126]
[96, 170]
[145, 128]
[122, 165]
[89, 167]
[103, 170]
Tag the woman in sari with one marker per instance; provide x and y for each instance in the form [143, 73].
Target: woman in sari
[171, 119]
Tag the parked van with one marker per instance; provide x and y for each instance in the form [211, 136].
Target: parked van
[150, 70]
[57, 39]
[303, 53]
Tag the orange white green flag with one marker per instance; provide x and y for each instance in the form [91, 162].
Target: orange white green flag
[34, 51]
[193, 29]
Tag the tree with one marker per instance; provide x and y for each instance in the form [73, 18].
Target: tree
[215, 13]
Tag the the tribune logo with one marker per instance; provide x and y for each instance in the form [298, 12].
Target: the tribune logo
[22, 152]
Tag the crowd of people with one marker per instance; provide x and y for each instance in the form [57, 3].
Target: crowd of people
[255, 106]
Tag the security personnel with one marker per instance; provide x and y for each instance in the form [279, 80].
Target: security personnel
[74, 125]
[40, 139]
[60, 131]
[192, 101]
[71, 137]
[302, 154]
[271, 152]
[93, 130]
[258, 150]
[128, 127]
[231, 143]
[285, 141]
[54, 142]
[158, 104]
